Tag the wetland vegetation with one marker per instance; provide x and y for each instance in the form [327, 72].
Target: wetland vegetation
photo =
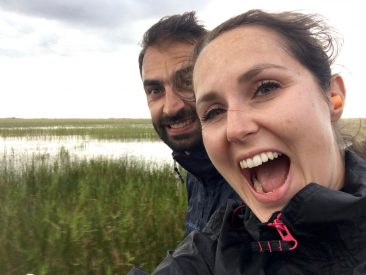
[90, 216]
[99, 215]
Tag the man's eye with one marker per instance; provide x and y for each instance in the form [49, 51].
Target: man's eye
[187, 85]
[182, 79]
[183, 84]
[153, 91]
[266, 87]
[212, 114]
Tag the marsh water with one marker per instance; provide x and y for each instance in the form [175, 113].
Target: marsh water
[22, 149]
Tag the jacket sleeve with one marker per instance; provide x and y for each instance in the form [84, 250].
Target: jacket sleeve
[193, 256]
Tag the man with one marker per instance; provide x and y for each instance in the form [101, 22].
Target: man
[166, 72]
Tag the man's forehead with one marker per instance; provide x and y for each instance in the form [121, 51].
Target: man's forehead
[165, 61]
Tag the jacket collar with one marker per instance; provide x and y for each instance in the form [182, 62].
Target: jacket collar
[316, 210]
[316, 204]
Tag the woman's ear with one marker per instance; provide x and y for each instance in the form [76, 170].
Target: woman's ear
[337, 93]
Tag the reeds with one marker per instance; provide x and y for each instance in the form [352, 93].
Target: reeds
[88, 217]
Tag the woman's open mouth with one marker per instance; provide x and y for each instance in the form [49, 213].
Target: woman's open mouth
[267, 175]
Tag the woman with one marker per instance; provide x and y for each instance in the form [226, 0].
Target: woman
[268, 105]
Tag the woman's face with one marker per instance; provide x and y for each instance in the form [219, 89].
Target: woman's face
[265, 123]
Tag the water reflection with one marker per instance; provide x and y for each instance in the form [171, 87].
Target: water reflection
[19, 150]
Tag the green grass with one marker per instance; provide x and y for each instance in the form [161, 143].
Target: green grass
[68, 122]
[88, 217]
[122, 128]
[115, 128]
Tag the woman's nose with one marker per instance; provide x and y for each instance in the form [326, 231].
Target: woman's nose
[240, 125]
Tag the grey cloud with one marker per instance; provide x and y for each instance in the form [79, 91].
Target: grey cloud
[98, 13]
[12, 53]
[113, 23]
[81, 12]
[18, 27]
[48, 41]
[159, 8]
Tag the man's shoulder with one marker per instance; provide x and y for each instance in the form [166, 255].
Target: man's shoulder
[213, 226]
[223, 214]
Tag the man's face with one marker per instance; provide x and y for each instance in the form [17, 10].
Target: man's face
[167, 79]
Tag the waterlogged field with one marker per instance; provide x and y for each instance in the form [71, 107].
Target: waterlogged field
[102, 215]
[89, 215]
[92, 128]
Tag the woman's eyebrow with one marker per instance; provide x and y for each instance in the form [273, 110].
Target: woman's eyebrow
[245, 77]
[257, 69]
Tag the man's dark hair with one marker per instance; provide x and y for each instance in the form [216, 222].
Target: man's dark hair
[183, 28]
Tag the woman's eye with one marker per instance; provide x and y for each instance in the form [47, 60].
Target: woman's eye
[266, 87]
[212, 113]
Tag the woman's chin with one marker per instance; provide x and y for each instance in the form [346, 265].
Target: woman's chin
[265, 214]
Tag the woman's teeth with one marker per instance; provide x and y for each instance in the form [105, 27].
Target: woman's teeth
[257, 186]
[258, 159]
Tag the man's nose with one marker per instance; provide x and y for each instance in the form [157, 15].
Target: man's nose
[173, 103]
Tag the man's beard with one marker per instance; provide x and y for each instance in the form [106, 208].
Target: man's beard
[183, 142]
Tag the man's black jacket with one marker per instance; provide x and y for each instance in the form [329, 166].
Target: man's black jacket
[207, 190]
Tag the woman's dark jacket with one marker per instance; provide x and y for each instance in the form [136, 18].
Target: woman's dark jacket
[207, 190]
[329, 227]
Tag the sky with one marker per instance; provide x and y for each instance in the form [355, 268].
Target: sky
[78, 58]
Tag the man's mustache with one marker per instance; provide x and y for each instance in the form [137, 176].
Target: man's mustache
[178, 117]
